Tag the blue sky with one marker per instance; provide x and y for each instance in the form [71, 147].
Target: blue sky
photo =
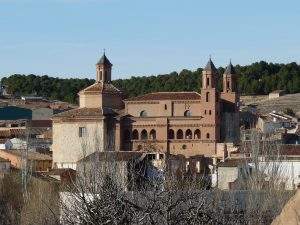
[65, 38]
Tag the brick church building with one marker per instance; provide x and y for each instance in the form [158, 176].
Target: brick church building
[177, 123]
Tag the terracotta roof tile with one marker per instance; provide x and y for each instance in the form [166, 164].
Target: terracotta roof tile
[167, 96]
[290, 150]
[31, 155]
[80, 112]
[85, 112]
[100, 87]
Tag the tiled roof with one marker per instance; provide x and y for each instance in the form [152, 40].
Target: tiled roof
[104, 60]
[80, 112]
[230, 69]
[231, 163]
[167, 96]
[41, 123]
[112, 156]
[31, 155]
[85, 112]
[289, 150]
[100, 87]
[12, 132]
[210, 66]
[4, 160]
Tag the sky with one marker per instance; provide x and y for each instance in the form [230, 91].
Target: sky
[65, 38]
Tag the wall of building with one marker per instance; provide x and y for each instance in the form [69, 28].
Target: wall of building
[164, 108]
[42, 114]
[90, 101]
[225, 176]
[68, 147]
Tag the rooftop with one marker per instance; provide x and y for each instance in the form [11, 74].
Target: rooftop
[85, 112]
[104, 60]
[167, 96]
[4, 160]
[210, 66]
[31, 155]
[230, 69]
[100, 87]
[112, 155]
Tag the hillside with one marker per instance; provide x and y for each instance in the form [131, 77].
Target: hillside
[258, 78]
[266, 105]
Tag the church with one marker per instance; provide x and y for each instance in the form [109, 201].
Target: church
[176, 123]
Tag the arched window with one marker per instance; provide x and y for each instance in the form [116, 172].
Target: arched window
[209, 112]
[105, 77]
[153, 134]
[144, 135]
[143, 113]
[207, 81]
[101, 75]
[135, 135]
[188, 134]
[207, 135]
[179, 134]
[166, 107]
[197, 134]
[187, 113]
[126, 136]
[207, 96]
[139, 147]
[171, 134]
[228, 85]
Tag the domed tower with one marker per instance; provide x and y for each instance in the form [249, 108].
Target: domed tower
[229, 94]
[210, 101]
[103, 69]
[230, 106]
[102, 93]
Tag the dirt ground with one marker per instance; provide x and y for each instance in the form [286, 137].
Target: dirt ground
[264, 105]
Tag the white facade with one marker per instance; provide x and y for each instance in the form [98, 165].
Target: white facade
[70, 144]
[288, 171]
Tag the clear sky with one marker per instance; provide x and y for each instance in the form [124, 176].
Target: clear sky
[65, 38]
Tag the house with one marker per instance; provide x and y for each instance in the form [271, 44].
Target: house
[287, 164]
[36, 162]
[230, 172]
[276, 94]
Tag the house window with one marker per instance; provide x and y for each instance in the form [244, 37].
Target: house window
[161, 156]
[207, 135]
[198, 166]
[207, 96]
[101, 75]
[82, 131]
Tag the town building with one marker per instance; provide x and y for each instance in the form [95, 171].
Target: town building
[276, 94]
[177, 123]
[36, 162]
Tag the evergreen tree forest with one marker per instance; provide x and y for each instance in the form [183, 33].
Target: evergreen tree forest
[255, 79]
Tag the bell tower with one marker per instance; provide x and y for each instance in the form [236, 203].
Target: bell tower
[103, 70]
[229, 94]
[210, 105]
[229, 79]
